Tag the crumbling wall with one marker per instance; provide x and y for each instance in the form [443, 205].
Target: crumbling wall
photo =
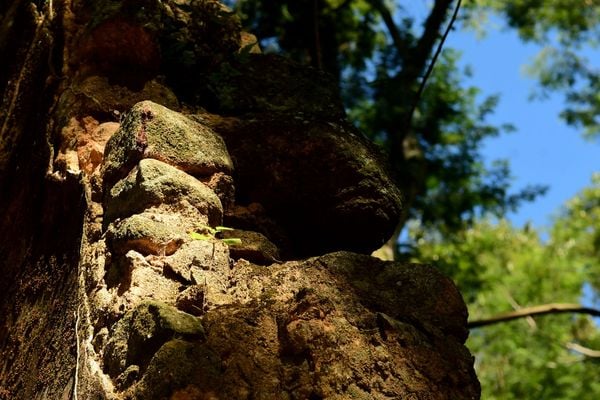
[164, 126]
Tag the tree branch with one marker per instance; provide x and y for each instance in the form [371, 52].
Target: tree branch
[433, 26]
[405, 89]
[433, 60]
[544, 309]
[583, 350]
[388, 20]
[414, 59]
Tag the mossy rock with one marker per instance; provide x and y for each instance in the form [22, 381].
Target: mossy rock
[178, 364]
[142, 331]
[152, 131]
[254, 247]
[146, 235]
[331, 190]
[154, 183]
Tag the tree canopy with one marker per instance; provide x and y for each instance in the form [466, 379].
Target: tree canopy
[566, 28]
[500, 268]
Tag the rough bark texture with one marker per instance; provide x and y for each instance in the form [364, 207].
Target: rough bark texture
[123, 128]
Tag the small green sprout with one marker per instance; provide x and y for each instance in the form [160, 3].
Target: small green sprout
[209, 233]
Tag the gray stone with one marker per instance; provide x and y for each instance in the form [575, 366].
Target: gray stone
[329, 191]
[155, 183]
[143, 331]
[152, 131]
[254, 247]
[146, 235]
[203, 255]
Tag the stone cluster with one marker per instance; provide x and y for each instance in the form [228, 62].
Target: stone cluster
[154, 197]
[293, 312]
[177, 317]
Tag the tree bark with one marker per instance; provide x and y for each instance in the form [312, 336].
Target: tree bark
[42, 214]
[406, 153]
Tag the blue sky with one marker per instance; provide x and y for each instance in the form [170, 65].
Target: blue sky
[543, 150]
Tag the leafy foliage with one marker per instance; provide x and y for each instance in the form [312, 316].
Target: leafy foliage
[500, 268]
[451, 126]
[578, 230]
[566, 28]
[205, 232]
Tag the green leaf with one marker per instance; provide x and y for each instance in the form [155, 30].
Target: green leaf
[200, 236]
[232, 241]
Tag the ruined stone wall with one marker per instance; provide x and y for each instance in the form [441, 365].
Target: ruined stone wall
[165, 127]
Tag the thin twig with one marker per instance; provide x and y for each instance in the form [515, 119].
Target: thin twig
[553, 308]
[517, 306]
[433, 61]
[583, 350]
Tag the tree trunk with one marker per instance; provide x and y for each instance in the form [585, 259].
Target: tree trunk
[123, 127]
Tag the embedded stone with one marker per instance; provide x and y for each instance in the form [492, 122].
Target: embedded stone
[203, 255]
[153, 183]
[254, 247]
[329, 191]
[174, 367]
[145, 235]
[222, 185]
[132, 279]
[150, 130]
[143, 330]
[191, 300]
[341, 326]
[270, 83]
[98, 95]
[128, 377]
[254, 217]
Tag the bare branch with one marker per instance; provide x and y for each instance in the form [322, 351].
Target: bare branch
[544, 309]
[517, 306]
[418, 55]
[388, 20]
[434, 59]
[583, 350]
[433, 27]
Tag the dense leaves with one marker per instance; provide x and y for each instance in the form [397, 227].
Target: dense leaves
[569, 30]
[501, 268]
